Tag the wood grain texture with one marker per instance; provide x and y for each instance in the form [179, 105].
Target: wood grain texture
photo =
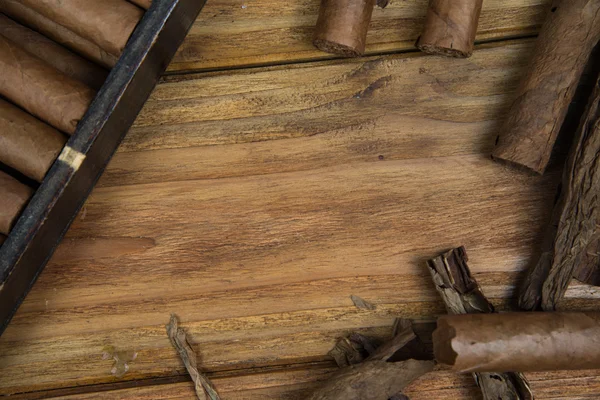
[254, 203]
[438, 385]
[235, 33]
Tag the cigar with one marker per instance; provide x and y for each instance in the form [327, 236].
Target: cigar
[342, 26]
[54, 54]
[522, 342]
[450, 27]
[145, 4]
[58, 33]
[562, 50]
[108, 23]
[13, 197]
[26, 143]
[40, 89]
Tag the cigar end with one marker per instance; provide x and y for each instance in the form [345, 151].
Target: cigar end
[443, 51]
[337, 48]
[442, 342]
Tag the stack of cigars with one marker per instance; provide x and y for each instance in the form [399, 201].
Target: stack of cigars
[54, 56]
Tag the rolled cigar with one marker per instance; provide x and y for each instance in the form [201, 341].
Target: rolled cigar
[450, 27]
[563, 47]
[108, 23]
[40, 89]
[145, 4]
[58, 33]
[13, 197]
[54, 54]
[26, 143]
[342, 26]
[518, 341]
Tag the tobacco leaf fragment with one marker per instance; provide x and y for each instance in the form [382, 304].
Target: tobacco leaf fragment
[400, 339]
[179, 339]
[371, 380]
[361, 303]
[571, 247]
[462, 295]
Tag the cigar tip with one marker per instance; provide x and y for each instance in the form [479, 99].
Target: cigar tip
[442, 342]
[337, 48]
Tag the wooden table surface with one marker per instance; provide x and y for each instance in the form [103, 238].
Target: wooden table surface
[263, 184]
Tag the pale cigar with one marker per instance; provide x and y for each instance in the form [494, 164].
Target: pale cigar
[108, 23]
[58, 33]
[26, 143]
[13, 197]
[519, 342]
[54, 54]
[40, 89]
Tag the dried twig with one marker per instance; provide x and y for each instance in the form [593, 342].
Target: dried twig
[462, 295]
[179, 340]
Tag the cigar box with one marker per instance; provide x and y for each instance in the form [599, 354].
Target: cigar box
[72, 176]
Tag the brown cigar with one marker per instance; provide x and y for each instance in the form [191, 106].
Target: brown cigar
[54, 54]
[450, 27]
[518, 342]
[56, 32]
[108, 23]
[145, 4]
[40, 89]
[563, 47]
[13, 197]
[26, 143]
[342, 26]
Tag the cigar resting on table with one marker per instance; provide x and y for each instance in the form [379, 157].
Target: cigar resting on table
[526, 341]
[562, 50]
[41, 89]
[54, 54]
[36, 21]
[13, 197]
[342, 26]
[26, 143]
[450, 27]
[108, 23]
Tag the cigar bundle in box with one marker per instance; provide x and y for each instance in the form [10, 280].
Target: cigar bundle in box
[75, 73]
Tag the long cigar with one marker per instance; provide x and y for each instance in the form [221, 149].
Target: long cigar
[563, 47]
[26, 143]
[518, 341]
[54, 54]
[13, 197]
[450, 27]
[40, 89]
[145, 4]
[108, 23]
[342, 26]
[58, 33]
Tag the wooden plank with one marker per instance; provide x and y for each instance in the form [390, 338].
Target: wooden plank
[259, 260]
[235, 33]
[329, 113]
[298, 383]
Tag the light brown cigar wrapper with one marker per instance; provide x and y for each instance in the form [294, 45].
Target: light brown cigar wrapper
[56, 32]
[342, 26]
[108, 23]
[54, 54]
[563, 47]
[518, 342]
[450, 27]
[26, 143]
[40, 89]
[145, 4]
[13, 197]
